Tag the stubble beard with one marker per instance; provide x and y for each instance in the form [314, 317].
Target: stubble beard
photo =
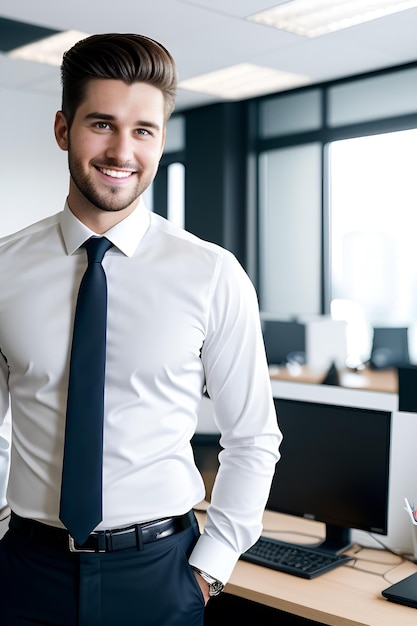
[114, 199]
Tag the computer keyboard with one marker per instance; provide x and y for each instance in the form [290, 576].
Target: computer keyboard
[292, 558]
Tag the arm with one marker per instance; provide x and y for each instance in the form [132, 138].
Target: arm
[238, 383]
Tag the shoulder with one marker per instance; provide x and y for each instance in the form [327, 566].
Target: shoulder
[34, 231]
[205, 258]
[188, 242]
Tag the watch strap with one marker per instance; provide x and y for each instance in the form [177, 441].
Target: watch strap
[215, 586]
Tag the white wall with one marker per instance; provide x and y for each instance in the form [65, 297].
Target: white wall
[33, 170]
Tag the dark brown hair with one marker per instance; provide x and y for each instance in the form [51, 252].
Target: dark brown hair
[127, 57]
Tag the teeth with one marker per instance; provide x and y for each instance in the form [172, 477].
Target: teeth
[115, 173]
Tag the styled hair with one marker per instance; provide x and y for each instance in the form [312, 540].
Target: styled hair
[127, 57]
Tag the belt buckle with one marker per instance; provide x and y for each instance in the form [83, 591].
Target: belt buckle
[73, 547]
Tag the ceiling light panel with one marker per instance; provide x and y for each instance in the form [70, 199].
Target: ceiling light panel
[49, 50]
[241, 81]
[313, 18]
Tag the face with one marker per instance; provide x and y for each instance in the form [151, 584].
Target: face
[114, 146]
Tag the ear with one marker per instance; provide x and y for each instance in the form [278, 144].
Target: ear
[61, 130]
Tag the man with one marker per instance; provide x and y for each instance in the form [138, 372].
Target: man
[182, 317]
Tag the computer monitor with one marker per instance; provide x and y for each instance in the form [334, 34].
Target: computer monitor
[389, 347]
[283, 338]
[334, 468]
[407, 386]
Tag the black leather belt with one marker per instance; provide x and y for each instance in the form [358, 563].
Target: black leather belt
[101, 541]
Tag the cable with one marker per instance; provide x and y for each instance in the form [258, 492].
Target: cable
[402, 555]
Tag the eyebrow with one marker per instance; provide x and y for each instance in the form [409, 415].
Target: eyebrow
[96, 115]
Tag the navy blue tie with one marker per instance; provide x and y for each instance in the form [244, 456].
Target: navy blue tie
[81, 490]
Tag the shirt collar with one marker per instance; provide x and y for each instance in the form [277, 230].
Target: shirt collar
[126, 235]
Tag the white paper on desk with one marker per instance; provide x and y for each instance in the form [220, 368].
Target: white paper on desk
[410, 510]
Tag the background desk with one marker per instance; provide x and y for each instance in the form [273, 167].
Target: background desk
[368, 379]
[344, 596]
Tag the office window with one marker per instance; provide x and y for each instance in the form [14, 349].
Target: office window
[175, 139]
[290, 230]
[373, 216]
[292, 113]
[176, 199]
[166, 194]
[373, 98]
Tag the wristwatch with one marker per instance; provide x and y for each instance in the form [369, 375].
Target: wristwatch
[215, 586]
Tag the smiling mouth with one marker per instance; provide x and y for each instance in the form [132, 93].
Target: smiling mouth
[115, 173]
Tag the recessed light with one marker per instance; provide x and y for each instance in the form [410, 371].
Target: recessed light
[243, 81]
[48, 50]
[313, 18]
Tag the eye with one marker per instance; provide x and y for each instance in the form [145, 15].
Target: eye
[102, 125]
[144, 132]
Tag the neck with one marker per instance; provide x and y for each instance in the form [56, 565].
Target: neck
[103, 221]
[98, 220]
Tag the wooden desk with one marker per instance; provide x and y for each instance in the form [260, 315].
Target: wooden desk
[371, 380]
[345, 596]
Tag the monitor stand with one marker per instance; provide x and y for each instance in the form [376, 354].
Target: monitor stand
[337, 539]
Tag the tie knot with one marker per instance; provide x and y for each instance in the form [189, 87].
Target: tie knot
[96, 248]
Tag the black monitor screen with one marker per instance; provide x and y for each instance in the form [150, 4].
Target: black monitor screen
[334, 468]
[282, 338]
[389, 347]
[407, 386]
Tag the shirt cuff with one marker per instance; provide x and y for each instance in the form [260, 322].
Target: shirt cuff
[214, 558]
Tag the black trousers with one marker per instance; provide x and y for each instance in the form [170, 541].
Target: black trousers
[150, 587]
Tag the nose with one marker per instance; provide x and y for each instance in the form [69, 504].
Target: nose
[120, 147]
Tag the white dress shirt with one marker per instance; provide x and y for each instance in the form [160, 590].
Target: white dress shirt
[182, 313]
